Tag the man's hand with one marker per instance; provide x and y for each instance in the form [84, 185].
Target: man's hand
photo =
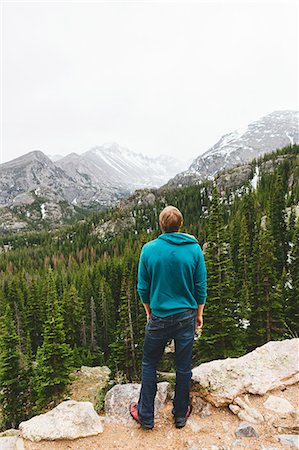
[199, 322]
[147, 310]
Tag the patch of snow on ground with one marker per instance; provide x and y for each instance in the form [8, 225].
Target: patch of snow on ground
[244, 323]
[290, 137]
[43, 210]
[255, 178]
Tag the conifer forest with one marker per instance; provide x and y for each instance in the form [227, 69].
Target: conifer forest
[68, 297]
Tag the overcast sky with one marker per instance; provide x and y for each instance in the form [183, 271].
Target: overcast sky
[156, 77]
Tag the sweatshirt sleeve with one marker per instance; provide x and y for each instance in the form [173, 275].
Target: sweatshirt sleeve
[143, 284]
[200, 279]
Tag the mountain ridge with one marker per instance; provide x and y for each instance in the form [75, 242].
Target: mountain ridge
[275, 130]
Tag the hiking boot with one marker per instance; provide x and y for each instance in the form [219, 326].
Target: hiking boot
[180, 422]
[133, 408]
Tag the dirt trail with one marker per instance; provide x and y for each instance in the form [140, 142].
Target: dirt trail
[216, 429]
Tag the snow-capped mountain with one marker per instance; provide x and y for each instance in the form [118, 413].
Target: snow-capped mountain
[276, 130]
[112, 165]
[100, 176]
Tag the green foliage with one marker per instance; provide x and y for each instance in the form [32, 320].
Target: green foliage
[53, 358]
[10, 372]
[68, 297]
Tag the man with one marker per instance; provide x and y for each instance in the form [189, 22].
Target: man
[172, 284]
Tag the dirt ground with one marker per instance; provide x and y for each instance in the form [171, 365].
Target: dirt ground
[199, 433]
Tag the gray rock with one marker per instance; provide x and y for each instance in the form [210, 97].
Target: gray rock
[291, 440]
[270, 366]
[11, 443]
[68, 420]
[245, 430]
[279, 405]
[118, 399]
[234, 408]
[245, 410]
[198, 405]
[206, 411]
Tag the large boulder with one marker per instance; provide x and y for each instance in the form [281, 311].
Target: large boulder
[118, 399]
[68, 420]
[274, 365]
[11, 443]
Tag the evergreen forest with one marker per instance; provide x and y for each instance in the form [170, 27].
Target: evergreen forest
[68, 297]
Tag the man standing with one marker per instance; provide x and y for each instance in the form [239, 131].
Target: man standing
[172, 284]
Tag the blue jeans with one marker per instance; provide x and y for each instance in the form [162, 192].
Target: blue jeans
[158, 330]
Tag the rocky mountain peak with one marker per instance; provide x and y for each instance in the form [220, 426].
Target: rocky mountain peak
[275, 130]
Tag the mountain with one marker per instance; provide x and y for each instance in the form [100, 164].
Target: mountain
[33, 172]
[55, 157]
[273, 131]
[34, 188]
[117, 167]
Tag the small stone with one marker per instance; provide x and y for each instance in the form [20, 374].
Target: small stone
[238, 443]
[194, 425]
[243, 415]
[263, 447]
[245, 430]
[292, 440]
[248, 408]
[198, 405]
[234, 408]
[279, 405]
[206, 410]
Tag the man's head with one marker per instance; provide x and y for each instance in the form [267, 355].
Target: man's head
[171, 219]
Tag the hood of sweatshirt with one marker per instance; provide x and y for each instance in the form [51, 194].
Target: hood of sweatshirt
[178, 238]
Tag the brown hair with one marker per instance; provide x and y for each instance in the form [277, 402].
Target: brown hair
[171, 219]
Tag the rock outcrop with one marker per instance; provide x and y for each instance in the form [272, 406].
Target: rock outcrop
[118, 399]
[11, 443]
[68, 420]
[271, 366]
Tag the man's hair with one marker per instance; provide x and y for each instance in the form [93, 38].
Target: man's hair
[171, 219]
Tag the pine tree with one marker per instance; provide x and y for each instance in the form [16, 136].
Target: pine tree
[292, 304]
[277, 216]
[106, 306]
[221, 336]
[123, 350]
[73, 310]
[266, 317]
[53, 358]
[10, 372]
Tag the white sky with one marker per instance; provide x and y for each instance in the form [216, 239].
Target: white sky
[156, 77]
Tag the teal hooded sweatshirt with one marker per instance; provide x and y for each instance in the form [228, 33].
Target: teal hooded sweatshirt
[172, 274]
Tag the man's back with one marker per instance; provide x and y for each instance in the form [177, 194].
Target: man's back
[172, 274]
